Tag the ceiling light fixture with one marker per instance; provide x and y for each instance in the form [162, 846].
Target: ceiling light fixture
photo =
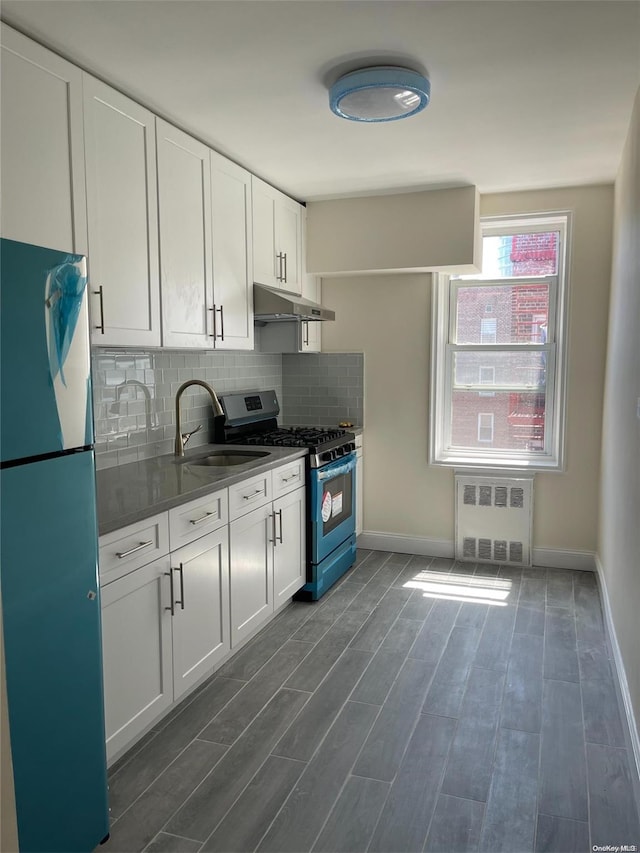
[381, 93]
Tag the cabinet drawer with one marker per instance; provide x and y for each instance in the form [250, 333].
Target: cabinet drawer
[194, 519]
[131, 547]
[249, 494]
[288, 477]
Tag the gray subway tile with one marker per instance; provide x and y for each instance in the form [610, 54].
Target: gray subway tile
[560, 651]
[446, 692]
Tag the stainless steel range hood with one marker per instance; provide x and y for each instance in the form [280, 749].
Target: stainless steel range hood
[273, 306]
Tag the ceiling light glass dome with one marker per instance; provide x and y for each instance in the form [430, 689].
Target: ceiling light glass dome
[382, 93]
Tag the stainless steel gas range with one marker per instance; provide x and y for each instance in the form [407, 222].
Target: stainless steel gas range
[252, 418]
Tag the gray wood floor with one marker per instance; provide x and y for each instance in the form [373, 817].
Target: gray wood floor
[420, 705]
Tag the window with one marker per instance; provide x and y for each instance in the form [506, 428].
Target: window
[485, 427]
[519, 351]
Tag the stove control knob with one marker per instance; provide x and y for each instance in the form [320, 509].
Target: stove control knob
[327, 456]
[339, 451]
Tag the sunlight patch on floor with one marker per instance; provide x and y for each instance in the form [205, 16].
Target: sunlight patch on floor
[476, 589]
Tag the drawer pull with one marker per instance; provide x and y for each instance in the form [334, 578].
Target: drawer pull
[122, 554]
[253, 494]
[292, 477]
[202, 518]
[181, 570]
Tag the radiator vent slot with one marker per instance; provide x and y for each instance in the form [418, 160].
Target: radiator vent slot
[493, 519]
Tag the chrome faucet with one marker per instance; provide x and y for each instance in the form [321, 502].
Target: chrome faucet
[217, 408]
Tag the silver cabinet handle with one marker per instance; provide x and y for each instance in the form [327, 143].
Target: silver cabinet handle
[279, 274]
[171, 606]
[181, 601]
[280, 534]
[292, 477]
[221, 310]
[214, 334]
[252, 495]
[99, 294]
[285, 267]
[305, 326]
[122, 554]
[202, 518]
[273, 529]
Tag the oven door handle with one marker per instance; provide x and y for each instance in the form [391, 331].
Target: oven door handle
[335, 470]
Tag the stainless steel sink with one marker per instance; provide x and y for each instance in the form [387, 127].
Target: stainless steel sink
[225, 458]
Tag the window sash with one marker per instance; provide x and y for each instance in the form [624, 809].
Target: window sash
[456, 284]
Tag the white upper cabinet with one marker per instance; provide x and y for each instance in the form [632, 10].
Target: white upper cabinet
[232, 256]
[277, 238]
[42, 166]
[120, 158]
[184, 212]
[310, 331]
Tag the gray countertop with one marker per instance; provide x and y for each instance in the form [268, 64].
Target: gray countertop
[129, 493]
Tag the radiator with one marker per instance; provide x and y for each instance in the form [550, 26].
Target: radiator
[493, 519]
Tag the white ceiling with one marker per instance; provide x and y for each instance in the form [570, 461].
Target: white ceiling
[524, 94]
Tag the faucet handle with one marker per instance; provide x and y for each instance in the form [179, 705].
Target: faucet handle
[187, 435]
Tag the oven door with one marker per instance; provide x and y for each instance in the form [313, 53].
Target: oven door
[333, 505]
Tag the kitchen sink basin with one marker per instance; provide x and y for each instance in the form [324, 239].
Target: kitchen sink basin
[225, 458]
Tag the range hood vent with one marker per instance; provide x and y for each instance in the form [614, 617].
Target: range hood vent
[274, 306]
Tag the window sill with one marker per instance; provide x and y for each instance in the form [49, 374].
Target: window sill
[495, 464]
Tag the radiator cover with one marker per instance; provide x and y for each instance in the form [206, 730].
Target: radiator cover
[493, 519]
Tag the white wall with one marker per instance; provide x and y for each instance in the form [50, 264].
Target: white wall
[388, 318]
[619, 534]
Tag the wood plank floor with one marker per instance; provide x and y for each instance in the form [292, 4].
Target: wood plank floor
[422, 704]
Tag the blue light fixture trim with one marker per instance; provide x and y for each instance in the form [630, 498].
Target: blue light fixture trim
[382, 93]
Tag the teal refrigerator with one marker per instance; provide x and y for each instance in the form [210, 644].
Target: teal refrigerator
[48, 552]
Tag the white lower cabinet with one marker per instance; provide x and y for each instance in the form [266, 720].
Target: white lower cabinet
[200, 584]
[136, 651]
[169, 620]
[251, 574]
[267, 559]
[289, 546]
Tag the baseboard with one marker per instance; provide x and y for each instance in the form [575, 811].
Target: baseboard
[419, 545]
[425, 547]
[558, 558]
[619, 666]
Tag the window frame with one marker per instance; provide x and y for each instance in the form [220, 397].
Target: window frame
[443, 347]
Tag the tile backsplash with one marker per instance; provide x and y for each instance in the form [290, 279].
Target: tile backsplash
[322, 389]
[134, 394]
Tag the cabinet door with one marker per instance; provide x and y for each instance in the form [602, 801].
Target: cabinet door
[359, 493]
[250, 572]
[43, 181]
[136, 649]
[288, 230]
[184, 210]
[120, 156]
[232, 257]
[264, 240]
[289, 548]
[201, 608]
